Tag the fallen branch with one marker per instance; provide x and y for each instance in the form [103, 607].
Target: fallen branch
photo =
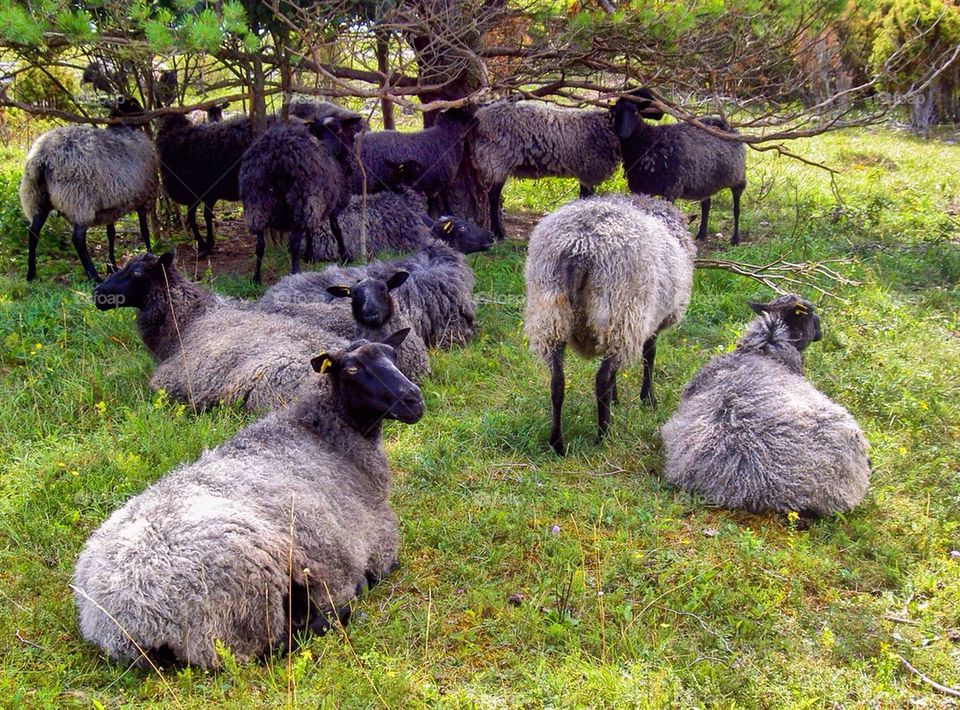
[945, 689]
[781, 275]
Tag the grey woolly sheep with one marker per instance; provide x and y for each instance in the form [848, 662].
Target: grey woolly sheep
[371, 314]
[532, 139]
[439, 149]
[751, 432]
[208, 349]
[678, 161]
[295, 178]
[605, 275]
[397, 221]
[92, 177]
[272, 533]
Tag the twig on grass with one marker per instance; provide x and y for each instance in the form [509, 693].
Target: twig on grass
[945, 689]
[780, 274]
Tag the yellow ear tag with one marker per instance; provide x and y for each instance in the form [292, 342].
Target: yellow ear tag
[800, 310]
[327, 362]
[447, 227]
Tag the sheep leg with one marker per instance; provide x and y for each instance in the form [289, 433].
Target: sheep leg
[192, 222]
[606, 377]
[144, 227]
[737, 191]
[649, 353]
[261, 247]
[585, 191]
[338, 235]
[704, 213]
[34, 236]
[208, 218]
[556, 399]
[111, 238]
[496, 212]
[80, 243]
[295, 244]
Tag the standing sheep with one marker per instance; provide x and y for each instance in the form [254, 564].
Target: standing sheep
[678, 161]
[209, 350]
[605, 275]
[751, 432]
[439, 149]
[91, 176]
[295, 178]
[272, 533]
[532, 139]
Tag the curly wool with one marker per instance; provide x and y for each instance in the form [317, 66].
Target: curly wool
[605, 274]
[532, 139]
[751, 432]
[91, 176]
[204, 554]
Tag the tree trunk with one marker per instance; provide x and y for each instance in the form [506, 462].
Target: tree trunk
[383, 66]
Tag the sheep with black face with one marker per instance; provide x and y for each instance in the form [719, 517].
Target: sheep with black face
[752, 432]
[272, 533]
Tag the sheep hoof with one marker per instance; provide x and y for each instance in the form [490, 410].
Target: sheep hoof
[559, 448]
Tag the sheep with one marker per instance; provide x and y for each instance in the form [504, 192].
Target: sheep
[397, 221]
[531, 139]
[92, 177]
[751, 432]
[371, 314]
[208, 349]
[295, 178]
[678, 161]
[439, 149]
[268, 535]
[605, 275]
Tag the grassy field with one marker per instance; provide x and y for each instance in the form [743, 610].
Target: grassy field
[526, 579]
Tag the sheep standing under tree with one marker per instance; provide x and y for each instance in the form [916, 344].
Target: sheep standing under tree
[751, 432]
[92, 177]
[273, 533]
[678, 161]
[605, 275]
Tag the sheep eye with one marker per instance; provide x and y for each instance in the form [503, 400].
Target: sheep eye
[352, 370]
[137, 274]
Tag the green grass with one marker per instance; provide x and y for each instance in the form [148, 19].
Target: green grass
[699, 606]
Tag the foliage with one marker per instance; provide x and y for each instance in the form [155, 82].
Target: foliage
[525, 579]
[50, 87]
[913, 35]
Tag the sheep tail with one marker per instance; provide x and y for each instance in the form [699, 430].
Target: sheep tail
[33, 188]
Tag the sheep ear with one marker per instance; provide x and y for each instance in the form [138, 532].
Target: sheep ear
[166, 260]
[339, 291]
[758, 308]
[394, 340]
[397, 279]
[324, 363]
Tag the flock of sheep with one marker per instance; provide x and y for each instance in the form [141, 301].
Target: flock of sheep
[277, 530]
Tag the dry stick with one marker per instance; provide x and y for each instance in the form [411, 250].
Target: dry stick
[780, 271]
[291, 687]
[426, 639]
[603, 625]
[945, 689]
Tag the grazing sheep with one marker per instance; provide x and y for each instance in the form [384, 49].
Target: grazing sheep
[397, 221]
[91, 176]
[679, 160]
[605, 275]
[268, 535]
[439, 149]
[295, 178]
[532, 139]
[751, 432]
[209, 349]
[371, 314]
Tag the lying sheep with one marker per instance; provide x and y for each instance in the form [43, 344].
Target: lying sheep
[91, 176]
[751, 432]
[208, 349]
[270, 534]
[371, 313]
[532, 139]
[296, 178]
[679, 160]
[397, 221]
[439, 149]
[605, 275]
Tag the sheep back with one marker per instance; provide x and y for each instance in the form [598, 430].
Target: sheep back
[531, 139]
[91, 176]
[751, 432]
[605, 274]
